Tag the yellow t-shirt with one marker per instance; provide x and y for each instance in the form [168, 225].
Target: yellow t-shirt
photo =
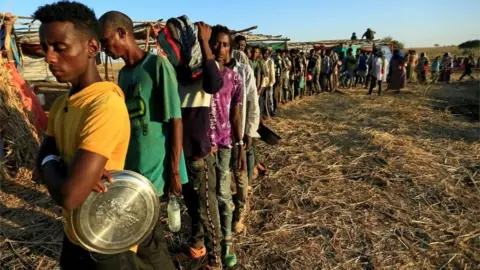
[94, 119]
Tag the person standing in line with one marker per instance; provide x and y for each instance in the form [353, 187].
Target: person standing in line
[155, 147]
[200, 193]
[225, 119]
[351, 64]
[277, 87]
[369, 68]
[316, 73]
[469, 64]
[294, 73]
[288, 92]
[336, 65]
[241, 43]
[397, 72]
[88, 128]
[250, 112]
[446, 68]
[259, 72]
[412, 62]
[325, 75]
[435, 70]
[248, 53]
[379, 72]
[420, 67]
[268, 81]
[362, 69]
[239, 53]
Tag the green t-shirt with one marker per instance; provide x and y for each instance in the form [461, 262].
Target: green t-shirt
[151, 94]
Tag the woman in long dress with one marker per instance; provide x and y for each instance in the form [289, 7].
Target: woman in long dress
[397, 72]
[446, 68]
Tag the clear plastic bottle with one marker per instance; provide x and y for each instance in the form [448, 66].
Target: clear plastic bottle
[174, 217]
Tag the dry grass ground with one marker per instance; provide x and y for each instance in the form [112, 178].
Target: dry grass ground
[358, 182]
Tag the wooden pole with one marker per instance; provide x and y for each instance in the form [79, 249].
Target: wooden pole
[244, 30]
[106, 68]
[147, 37]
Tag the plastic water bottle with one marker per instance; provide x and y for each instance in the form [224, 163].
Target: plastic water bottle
[174, 221]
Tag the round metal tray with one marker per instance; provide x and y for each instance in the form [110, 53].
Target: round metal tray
[114, 221]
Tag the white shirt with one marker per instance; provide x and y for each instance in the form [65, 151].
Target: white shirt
[379, 67]
[250, 107]
[270, 67]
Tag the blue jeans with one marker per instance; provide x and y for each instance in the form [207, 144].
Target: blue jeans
[224, 190]
[269, 98]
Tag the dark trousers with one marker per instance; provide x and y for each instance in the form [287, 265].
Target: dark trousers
[152, 254]
[200, 195]
[368, 79]
[324, 81]
[373, 84]
[277, 89]
[467, 72]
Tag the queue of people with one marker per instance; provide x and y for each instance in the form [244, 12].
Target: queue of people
[186, 137]
[194, 138]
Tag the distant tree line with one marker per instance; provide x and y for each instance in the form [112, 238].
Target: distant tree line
[471, 44]
[396, 44]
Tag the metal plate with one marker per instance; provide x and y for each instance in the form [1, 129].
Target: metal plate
[114, 221]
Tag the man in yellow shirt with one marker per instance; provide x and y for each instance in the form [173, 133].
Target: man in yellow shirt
[88, 128]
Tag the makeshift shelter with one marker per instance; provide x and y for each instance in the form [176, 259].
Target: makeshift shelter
[337, 45]
[30, 58]
[275, 42]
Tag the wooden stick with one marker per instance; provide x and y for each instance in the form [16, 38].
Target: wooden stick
[106, 68]
[244, 30]
[147, 37]
[268, 39]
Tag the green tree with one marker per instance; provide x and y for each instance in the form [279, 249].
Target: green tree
[471, 44]
[396, 44]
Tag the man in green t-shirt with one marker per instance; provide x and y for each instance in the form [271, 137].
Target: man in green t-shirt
[151, 93]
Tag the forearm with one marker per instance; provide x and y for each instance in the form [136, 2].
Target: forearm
[48, 147]
[212, 79]
[253, 114]
[54, 180]
[176, 133]
[236, 122]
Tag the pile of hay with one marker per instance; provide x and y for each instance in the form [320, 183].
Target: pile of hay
[368, 182]
[29, 221]
[21, 139]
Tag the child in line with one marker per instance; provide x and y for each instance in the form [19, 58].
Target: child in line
[435, 70]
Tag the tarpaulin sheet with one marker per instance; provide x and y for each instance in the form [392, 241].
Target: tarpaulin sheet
[29, 99]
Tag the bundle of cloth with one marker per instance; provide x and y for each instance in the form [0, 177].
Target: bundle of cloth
[179, 41]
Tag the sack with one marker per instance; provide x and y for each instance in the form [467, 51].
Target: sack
[179, 40]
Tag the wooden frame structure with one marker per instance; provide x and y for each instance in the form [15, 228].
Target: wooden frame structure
[25, 30]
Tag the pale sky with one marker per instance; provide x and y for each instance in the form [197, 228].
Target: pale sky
[417, 23]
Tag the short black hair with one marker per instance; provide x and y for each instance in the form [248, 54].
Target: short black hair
[82, 17]
[220, 29]
[240, 38]
[117, 19]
